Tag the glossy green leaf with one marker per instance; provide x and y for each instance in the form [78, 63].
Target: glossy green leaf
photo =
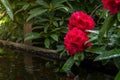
[78, 57]
[63, 7]
[56, 29]
[117, 77]
[37, 27]
[58, 4]
[54, 36]
[108, 23]
[92, 39]
[68, 64]
[96, 49]
[93, 31]
[35, 12]
[118, 16]
[8, 8]
[47, 43]
[108, 54]
[32, 35]
[42, 3]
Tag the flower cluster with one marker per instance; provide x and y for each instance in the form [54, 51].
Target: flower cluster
[74, 41]
[81, 21]
[76, 37]
[112, 5]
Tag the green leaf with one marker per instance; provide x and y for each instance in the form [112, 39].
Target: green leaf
[68, 64]
[42, 3]
[108, 23]
[47, 43]
[93, 31]
[117, 77]
[8, 8]
[108, 54]
[54, 36]
[25, 6]
[55, 23]
[35, 12]
[1, 51]
[91, 1]
[37, 27]
[92, 39]
[56, 29]
[46, 28]
[78, 57]
[62, 7]
[60, 48]
[96, 49]
[57, 2]
[32, 35]
[118, 16]
[117, 62]
[62, 53]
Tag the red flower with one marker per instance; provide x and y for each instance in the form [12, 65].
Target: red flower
[117, 1]
[81, 21]
[112, 5]
[74, 41]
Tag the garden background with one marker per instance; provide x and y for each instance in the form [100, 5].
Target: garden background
[44, 23]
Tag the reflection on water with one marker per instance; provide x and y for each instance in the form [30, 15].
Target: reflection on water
[12, 68]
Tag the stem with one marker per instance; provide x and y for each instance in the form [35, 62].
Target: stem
[96, 9]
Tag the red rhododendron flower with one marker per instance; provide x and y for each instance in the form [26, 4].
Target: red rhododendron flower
[74, 41]
[81, 21]
[112, 5]
[117, 1]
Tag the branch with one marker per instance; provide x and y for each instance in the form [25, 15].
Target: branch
[18, 47]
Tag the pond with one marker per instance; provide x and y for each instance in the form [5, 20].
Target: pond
[12, 67]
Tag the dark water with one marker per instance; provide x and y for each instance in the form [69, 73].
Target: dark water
[12, 67]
